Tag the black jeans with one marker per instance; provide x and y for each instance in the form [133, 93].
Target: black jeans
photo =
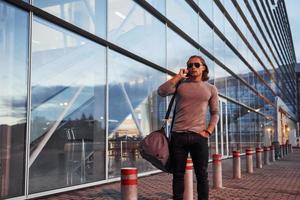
[197, 146]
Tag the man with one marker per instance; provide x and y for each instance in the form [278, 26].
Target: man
[189, 131]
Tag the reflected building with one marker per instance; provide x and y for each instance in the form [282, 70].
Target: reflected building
[79, 83]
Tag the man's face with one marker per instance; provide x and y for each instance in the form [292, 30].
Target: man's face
[195, 67]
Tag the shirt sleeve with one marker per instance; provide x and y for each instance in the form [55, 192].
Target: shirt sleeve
[166, 89]
[214, 108]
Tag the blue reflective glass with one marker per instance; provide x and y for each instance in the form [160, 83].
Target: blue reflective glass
[133, 28]
[181, 14]
[13, 99]
[159, 5]
[178, 51]
[89, 15]
[67, 140]
[135, 109]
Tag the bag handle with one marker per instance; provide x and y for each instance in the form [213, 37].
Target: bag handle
[170, 105]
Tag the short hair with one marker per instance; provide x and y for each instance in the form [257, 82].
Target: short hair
[205, 76]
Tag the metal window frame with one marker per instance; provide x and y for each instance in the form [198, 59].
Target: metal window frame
[282, 53]
[289, 68]
[282, 5]
[172, 26]
[68, 26]
[60, 22]
[278, 34]
[279, 37]
[226, 41]
[266, 40]
[235, 3]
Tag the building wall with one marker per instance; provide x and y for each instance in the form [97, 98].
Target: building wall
[81, 77]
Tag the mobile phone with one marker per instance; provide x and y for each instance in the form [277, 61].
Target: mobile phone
[188, 74]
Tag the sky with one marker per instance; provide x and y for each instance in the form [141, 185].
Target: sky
[292, 7]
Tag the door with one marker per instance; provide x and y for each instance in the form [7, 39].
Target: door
[222, 130]
[218, 142]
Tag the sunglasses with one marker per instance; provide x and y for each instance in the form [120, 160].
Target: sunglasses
[197, 65]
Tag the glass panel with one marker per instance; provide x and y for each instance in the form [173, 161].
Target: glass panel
[178, 51]
[233, 87]
[13, 99]
[67, 141]
[206, 6]
[233, 127]
[159, 5]
[205, 36]
[218, 18]
[184, 17]
[90, 15]
[221, 77]
[135, 110]
[219, 49]
[133, 28]
[247, 127]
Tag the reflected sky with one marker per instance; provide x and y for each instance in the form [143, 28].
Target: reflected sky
[292, 7]
[13, 64]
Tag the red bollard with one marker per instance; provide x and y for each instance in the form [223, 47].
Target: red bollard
[188, 180]
[266, 155]
[129, 183]
[249, 160]
[282, 151]
[272, 158]
[217, 171]
[259, 157]
[236, 164]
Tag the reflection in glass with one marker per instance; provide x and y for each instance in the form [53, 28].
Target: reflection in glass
[206, 6]
[181, 14]
[178, 51]
[233, 87]
[221, 77]
[90, 15]
[13, 99]
[67, 141]
[135, 29]
[219, 48]
[247, 128]
[233, 127]
[205, 36]
[159, 5]
[135, 110]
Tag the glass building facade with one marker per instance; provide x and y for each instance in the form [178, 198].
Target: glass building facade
[79, 83]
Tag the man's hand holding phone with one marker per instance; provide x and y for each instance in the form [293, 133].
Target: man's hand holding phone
[183, 73]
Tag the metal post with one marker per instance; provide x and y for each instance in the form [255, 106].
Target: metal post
[259, 157]
[272, 148]
[236, 164]
[217, 171]
[188, 180]
[266, 155]
[282, 151]
[249, 160]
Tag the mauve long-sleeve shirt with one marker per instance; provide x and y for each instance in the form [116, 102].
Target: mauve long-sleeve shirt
[192, 101]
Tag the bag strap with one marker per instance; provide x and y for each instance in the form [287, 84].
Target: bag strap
[171, 105]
